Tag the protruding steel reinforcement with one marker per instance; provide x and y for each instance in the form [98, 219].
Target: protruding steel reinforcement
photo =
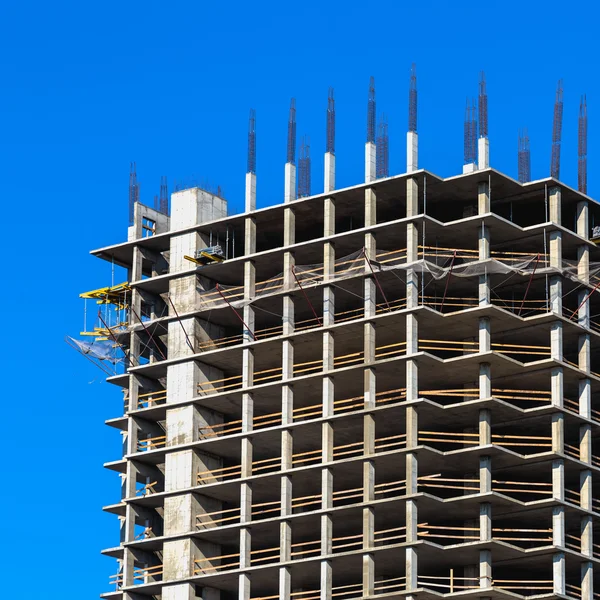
[371, 112]
[252, 142]
[524, 157]
[163, 206]
[556, 132]
[470, 133]
[304, 168]
[382, 155]
[483, 107]
[134, 190]
[582, 147]
[412, 99]
[330, 144]
[291, 138]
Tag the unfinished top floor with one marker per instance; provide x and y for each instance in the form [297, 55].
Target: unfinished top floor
[444, 201]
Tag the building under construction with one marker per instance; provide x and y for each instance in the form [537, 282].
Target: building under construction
[386, 390]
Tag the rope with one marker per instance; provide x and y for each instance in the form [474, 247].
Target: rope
[187, 337]
[537, 260]
[112, 335]
[364, 251]
[305, 295]
[448, 281]
[148, 332]
[235, 311]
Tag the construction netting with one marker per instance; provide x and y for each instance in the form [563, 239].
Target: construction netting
[435, 262]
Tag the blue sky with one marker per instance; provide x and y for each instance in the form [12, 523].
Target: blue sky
[88, 87]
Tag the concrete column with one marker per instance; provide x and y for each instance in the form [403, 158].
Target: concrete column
[287, 393]
[329, 172]
[554, 205]
[587, 535]
[483, 197]
[587, 581]
[412, 243]
[483, 149]
[556, 341]
[485, 474]
[485, 380]
[290, 183]
[485, 335]
[485, 427]
[485, 569]
[412, 440]
[412, 151]
[244, 586]
[250, 195]
[558, 433]
[585, 487]
[558, 526]
[585, 398]
[484, 251]
[557, 386]
[558, 572]
[558, 479]
[370, 162]
[180, 591]
[485, 522]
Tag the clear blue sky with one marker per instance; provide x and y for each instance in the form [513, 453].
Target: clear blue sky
[89, 86]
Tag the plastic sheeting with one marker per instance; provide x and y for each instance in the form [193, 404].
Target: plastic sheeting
[101, 350]
[437, 263]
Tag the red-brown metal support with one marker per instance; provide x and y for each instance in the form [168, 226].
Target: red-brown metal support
[187, 337]
[448, 281]
[537, 260]
[376, 280]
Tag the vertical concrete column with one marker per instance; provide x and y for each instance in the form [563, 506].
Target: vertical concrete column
[287, 401]
[250, 195]
[485, 474]
[412, 242]
[558, 572]
[136, 309]
[587, 580]
[554, 213]
[484, 207]
[412, 383]
[554, 205]
[558, 433]
[485, 380]
[485, 427]
[327, 432]
[412, 441]
[558, 479]
[328, 262]
[370, 162]
[370, 310]
[485, 335]
[247, 397]
[327, 483]
[290, 182]
[483, 198]
[485, 569]
[412, 151]
[485, 522]
[583, 262]
[483, 151]
[484, 254]
[329, 172]
[181, 591]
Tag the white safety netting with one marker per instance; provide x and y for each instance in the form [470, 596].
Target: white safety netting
[437, 263]
[98, 349]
